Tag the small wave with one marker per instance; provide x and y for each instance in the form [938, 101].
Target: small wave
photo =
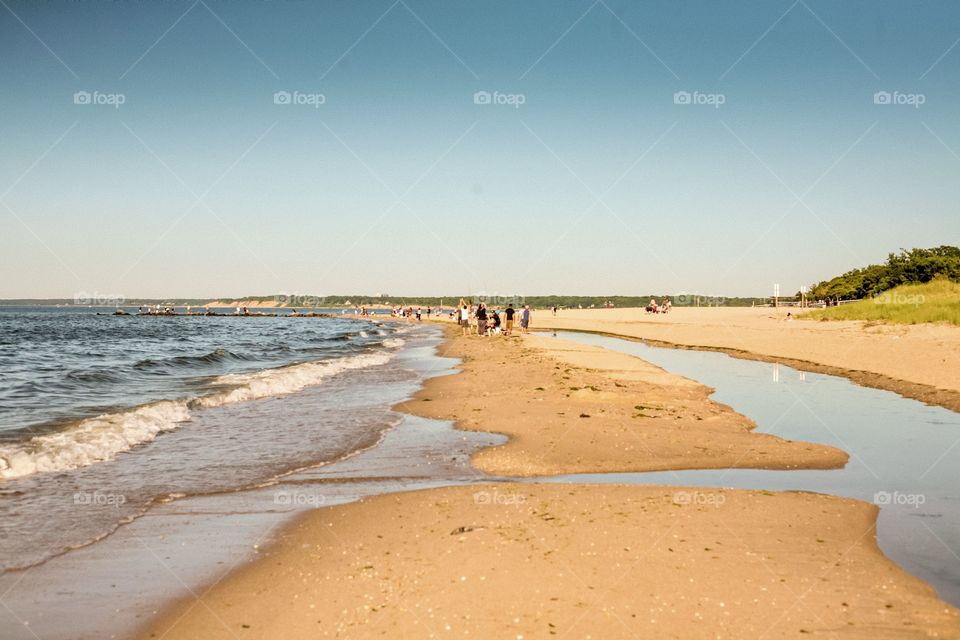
[274, 382]
[394, 343]
[99, 439]
[92, 440]
[92, 376]
[220, 355]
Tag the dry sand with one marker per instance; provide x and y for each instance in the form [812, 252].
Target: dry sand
[519, 560]
[917, 361]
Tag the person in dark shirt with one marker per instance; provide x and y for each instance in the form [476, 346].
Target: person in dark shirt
[509, 313]
[482, 319]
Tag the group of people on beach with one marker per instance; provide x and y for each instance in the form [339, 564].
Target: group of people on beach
[490, 322]
[663, 307]
[409, 313]
[157, 310]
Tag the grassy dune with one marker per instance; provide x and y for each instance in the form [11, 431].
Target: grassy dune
[935, 301]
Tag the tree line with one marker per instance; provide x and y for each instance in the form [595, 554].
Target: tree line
[915, 266]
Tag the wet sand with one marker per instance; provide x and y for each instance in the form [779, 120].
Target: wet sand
[572, 408]
[539, 561]
[534, 560]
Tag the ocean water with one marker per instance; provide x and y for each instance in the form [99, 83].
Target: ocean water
[102, 416]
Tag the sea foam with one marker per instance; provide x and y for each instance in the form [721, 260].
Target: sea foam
[101, 438]
[273, 382]
[91, 440]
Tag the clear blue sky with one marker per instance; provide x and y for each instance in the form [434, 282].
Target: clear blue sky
[599, 183]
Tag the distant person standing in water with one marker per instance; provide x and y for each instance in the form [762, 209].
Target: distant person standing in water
[525, 319]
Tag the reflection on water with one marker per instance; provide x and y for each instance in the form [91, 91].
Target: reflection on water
[904, 455]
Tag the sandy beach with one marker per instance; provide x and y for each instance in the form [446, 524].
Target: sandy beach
[917, 361]
[342, 320]
[570, 408]
[543, 560]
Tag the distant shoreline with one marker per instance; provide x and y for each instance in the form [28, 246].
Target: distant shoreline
[350, 301]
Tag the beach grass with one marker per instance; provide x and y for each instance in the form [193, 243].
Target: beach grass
[934, 301]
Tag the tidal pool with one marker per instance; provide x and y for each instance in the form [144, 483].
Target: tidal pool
[904, 455]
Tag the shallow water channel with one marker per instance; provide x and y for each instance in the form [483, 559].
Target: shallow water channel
[904, 455]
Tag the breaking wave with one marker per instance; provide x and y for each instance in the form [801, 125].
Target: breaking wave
[101, 438]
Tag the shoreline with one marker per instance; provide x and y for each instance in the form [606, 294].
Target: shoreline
[927, 394]
[185, 544]
[928, 374]
[494, 560]
[284, 580]
[676, 426]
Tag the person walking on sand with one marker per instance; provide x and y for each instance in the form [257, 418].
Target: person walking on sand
[508, 316]
[525, 319]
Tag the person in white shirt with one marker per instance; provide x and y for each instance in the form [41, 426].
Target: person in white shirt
[464, 316]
